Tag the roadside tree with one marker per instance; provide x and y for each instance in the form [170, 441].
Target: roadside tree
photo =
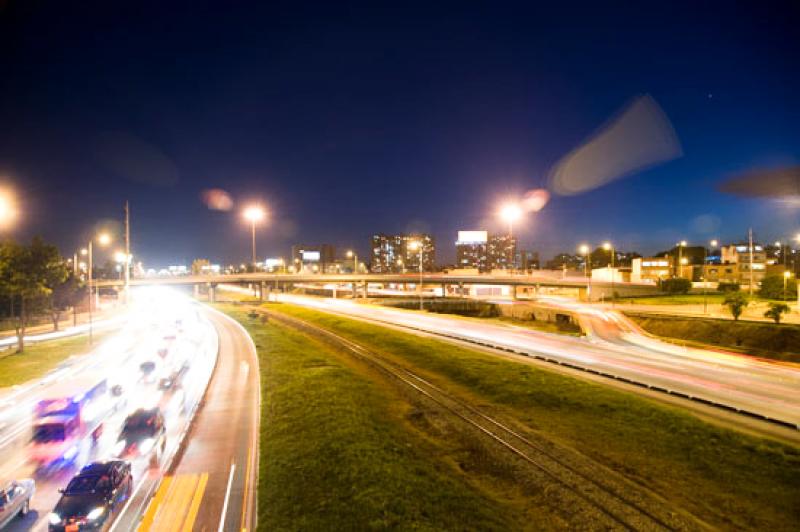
[776, 311]
[736, 303]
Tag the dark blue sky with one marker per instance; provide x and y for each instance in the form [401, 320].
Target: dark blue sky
[347, 120]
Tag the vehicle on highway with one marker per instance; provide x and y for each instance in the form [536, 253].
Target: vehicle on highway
[148, 369]
[15, 500]
[93, 497]
[143, 433]
[72, 415]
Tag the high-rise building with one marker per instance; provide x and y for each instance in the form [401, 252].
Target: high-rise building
[502, 252]
[472, 250]
[394, 253]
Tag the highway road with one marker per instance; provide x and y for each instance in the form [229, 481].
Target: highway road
[615, 348]
[213, 486]
[211, 448]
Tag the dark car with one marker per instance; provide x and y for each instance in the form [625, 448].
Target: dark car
[15, 500]
[93, 497]
[143, 433]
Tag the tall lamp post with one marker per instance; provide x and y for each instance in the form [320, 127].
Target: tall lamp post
[352, 255]
[584, 250]
[413, 246]
[510, 213]
[103, 239]
[786, 275]
[608, 246]
[254, 214]
[713, 244]
[678, 268]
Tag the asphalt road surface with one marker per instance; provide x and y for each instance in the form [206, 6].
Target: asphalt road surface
[213, 485]
[616, 348]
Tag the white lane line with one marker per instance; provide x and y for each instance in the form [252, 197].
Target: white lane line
[227, 496]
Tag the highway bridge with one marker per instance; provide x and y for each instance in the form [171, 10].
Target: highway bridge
[519, 285]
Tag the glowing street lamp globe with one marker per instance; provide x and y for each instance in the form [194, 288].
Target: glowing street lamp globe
[254, 214]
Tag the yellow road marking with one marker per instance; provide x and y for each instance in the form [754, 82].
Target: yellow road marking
[175, 506]
[152, 508]
[195, 506]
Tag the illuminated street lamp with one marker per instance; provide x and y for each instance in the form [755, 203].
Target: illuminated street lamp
[786, 275]
[585, 251]
[103, 239]
[713, 244]
[510, 213]
[8, 209]
[415, 245]
[352, 255]
[254, 214]
[680, 245]
[608, 246]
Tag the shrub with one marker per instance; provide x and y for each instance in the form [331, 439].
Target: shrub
[725, 287]
[677, 285]
[772, 287]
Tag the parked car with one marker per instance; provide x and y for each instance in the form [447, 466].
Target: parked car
[15, 500]
[93, 497]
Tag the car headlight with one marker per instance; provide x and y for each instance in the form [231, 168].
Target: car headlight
[119, 447]
[94, 514]
[146, 445]
[54, 518]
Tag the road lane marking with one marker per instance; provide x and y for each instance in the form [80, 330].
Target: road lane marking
[227, 496]
[195, 505]
[152, 508]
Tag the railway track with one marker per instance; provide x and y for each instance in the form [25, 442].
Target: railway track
[617, 502]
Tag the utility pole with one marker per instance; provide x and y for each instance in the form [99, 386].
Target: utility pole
[750, 241]
[127, 252]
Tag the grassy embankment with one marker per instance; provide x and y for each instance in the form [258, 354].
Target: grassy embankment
[729, 479]
[337, 451]
[764, 339]
[39, 358]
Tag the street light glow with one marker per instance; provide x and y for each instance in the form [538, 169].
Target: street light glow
[120, 256]
[104, 239]
[714, 243]
[510, 212]
[683, 243]
[607, 246]
[584, 249]
[8, 208]
[254, 213]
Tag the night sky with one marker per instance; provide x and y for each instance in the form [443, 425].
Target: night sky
[351, 120]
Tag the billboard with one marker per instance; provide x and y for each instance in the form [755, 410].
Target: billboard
[472, 237]
[310, 256]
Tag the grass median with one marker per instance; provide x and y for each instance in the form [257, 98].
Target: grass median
[336, 453]
[724, 477]
[39, 358]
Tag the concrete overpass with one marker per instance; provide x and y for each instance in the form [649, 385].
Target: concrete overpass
[456, 285]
